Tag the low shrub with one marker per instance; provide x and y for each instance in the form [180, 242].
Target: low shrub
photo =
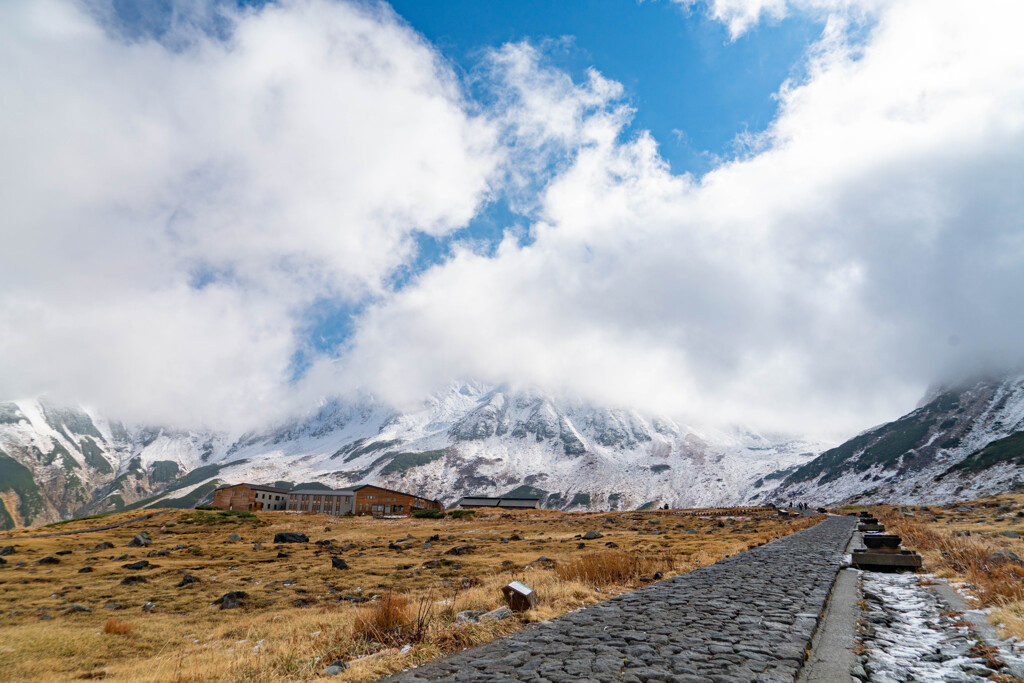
[459, 514]
[428, 514]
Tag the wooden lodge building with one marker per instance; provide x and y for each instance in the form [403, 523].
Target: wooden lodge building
[360, 500]
[250, 497]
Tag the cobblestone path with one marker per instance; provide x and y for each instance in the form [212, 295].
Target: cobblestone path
[747, 618]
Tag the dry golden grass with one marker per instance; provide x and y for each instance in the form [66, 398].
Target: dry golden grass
[300, 614]
[612, 567]
[960, 543]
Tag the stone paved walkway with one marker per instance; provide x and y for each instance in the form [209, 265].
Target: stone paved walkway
[747, 618]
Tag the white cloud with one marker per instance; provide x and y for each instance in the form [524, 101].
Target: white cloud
[293, 160]
[812, 287]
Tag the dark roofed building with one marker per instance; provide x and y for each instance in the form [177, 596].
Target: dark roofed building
[522, 503]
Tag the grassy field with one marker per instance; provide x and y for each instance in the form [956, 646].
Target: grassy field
[979, 543]
[395, 605]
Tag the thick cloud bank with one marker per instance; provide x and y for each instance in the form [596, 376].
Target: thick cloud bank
[172, 211]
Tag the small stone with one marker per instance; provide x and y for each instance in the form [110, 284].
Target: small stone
[231, 600]
[78, 608]
[1011, 534]
[141, 540]
[48, 560]
[158, 553]
[327, 528]
[6, 550]
[461, 549]
[187, 580]
[148, 607]
[658, 576]
[611, 544]
[112, 605]
[580, 546]
[85, 570]
[141, 564]
[338, 563]
[591, 535]
[333, 670]
[63, 552]
[132, 580]
[234, 537]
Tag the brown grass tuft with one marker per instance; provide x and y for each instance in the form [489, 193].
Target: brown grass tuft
[121, 628]
[385, 621]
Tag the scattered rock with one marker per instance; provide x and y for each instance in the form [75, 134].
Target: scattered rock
[158, 553]
[233, 599]
[257, 546]
[282, 555]
[48, 560]
[63, 552]
[580, 546]
[592, 535]
[187, 579]
[85, 570]
[148, 607]
[1005, 556]
[461, 549]
[78, 608]
[338, 563]
[432, 564]
[234, 537]
[290, 537]
[611, 544]
[141, 564]
[112, 605]
[325, 543]
[141, 540]
[326, 529]
[469, 616]
[658, 576]
[132, 580]
[499, 614]
[1011, 534]
[6, 550]
[336, 667]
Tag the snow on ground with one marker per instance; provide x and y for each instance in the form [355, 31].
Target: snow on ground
[910, 634]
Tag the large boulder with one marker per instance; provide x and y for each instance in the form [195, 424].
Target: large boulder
[290, 537]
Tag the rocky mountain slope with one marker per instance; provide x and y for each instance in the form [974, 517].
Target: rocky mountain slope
[961, 442]
[57, 462]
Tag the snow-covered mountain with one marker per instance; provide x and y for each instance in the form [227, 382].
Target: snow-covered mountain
[961, 442]
[57, 462]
